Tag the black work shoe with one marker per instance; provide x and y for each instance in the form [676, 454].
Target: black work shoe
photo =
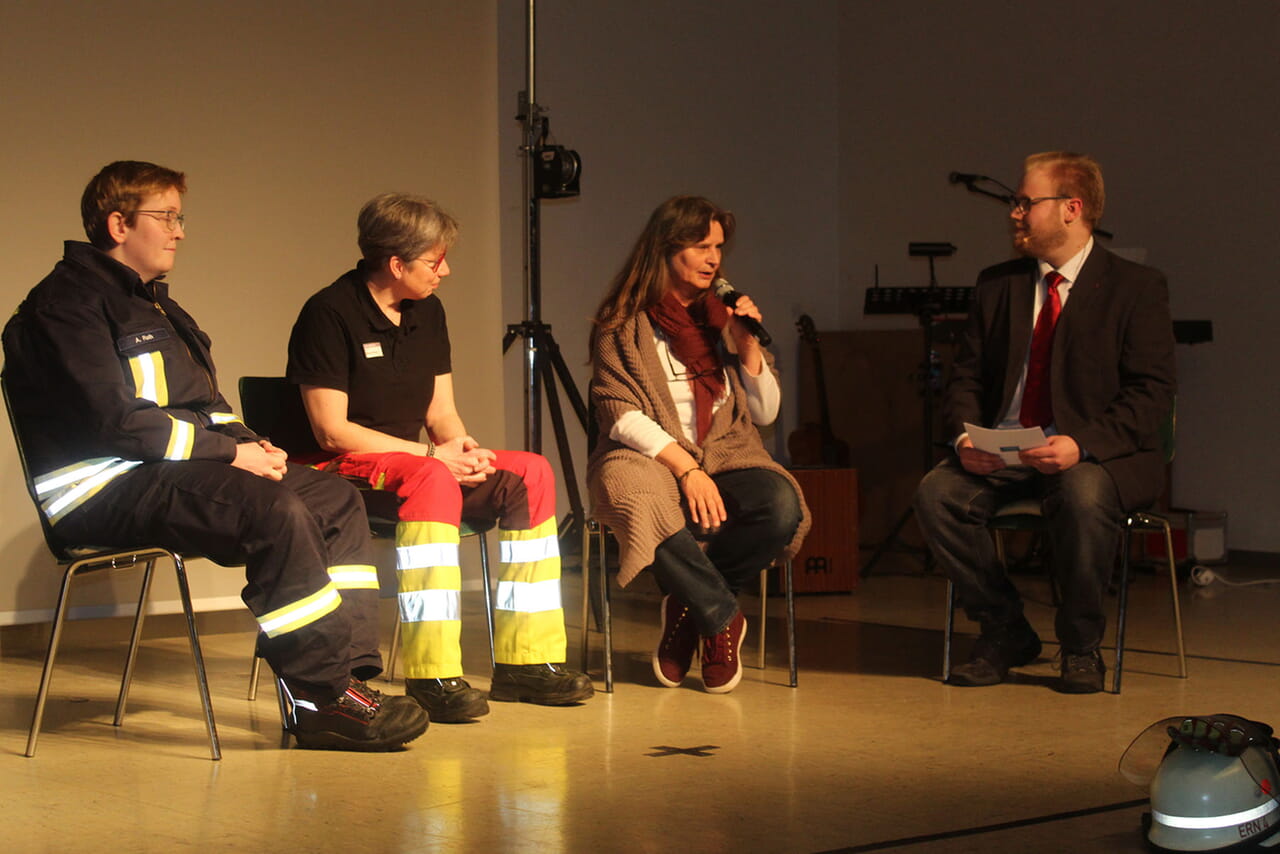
[1082, 672]
[356, 721]
[447, 701]
[995, 651]
[544, 684]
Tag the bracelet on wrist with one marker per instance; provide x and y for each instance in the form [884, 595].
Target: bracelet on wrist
[431, 447]
[686, 473]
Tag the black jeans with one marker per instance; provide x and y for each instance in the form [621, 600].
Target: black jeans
[286, 533]
[1082, 508]
[763, 513]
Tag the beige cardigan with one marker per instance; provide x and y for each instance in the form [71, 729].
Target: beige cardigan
[635, 495]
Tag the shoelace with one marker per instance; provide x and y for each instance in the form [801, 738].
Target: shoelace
[356, 699]
[676, 629]
[368, 691]
[1081, 663]
[717, 647]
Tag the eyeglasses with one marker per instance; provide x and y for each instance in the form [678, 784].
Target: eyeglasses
[433, 266]
[1021, 204]
[684, 375]
[171, 219]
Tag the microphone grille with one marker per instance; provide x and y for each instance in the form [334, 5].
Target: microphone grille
[721, 286]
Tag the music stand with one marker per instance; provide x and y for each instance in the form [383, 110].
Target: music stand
[926, 304]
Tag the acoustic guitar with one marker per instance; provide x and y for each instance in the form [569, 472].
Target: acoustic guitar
[815, 444]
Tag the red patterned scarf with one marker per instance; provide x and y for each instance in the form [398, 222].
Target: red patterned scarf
[692, 334]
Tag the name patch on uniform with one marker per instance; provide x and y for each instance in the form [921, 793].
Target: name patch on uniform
[134, 340]
[372, 349]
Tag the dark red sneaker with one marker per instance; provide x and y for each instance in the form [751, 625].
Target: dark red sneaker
[359, 719]
[674, 656]
[721, 661]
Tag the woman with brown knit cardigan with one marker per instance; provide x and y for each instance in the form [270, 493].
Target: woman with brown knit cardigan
[679, 472]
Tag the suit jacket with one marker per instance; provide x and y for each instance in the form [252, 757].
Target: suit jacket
[1112, 371]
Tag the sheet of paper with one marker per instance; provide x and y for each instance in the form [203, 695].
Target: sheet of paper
[1007, 442]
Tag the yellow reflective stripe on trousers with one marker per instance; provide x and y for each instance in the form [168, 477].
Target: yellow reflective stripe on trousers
[301, 613]
[426, 555]
[528, 597]
[182, 438]
[65, 489]
[528, 551]
[424, 606]
[420, 545]
[528, 619]
[148, 378]
[530, 546]
[354, 576]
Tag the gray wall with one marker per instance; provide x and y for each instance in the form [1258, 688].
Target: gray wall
[831, 129]
[286, 117]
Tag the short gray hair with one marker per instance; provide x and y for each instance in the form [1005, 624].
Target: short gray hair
[403, 226]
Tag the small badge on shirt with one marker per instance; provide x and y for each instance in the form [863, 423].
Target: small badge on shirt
[147, 339]
[372, 349]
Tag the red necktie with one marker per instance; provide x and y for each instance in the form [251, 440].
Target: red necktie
[1037, 401]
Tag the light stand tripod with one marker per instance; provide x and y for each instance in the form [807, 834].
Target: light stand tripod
[550, 171]
[926, 304]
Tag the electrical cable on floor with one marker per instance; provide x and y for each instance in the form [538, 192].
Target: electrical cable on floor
[1203, 576]
[988, 828]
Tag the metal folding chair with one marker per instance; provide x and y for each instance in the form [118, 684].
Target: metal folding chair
[81, 560]
[1025, 515]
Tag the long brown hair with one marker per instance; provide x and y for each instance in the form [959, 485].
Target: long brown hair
[678, 223]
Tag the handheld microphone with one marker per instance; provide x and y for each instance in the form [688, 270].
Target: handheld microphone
[729, 297]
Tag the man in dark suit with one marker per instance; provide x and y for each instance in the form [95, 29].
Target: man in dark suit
[1099, 380]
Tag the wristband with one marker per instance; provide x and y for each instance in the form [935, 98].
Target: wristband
[687, 472]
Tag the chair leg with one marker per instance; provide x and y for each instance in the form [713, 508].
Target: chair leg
[606, 612]
[488, 594]
[1122, 609]
[254, 673]
[948, 631]
[594, 530]
[787, 584]
[286, 710]
[764, 615]
[395, 648]
[55, 636]
[1173, 590]
[202, 680]
[586, 594]
[135, 637]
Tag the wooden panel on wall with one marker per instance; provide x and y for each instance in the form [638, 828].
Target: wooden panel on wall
[874, 386]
